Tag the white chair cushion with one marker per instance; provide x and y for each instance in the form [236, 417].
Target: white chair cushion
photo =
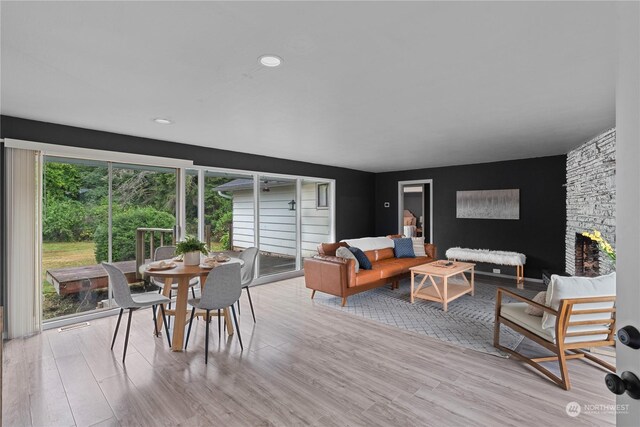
[562, 287]
[515, 312]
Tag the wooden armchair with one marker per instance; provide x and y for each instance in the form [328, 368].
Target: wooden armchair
[569, 335]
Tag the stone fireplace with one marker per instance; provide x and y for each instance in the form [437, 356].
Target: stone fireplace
[587, 257]
[591, 204]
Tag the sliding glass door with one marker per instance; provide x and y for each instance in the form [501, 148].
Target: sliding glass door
[143, 197]
[74, 224]
[278, 235]
[228, 212]
[94, 212]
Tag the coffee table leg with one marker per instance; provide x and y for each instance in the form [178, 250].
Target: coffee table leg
[413, 280]
[445, 303]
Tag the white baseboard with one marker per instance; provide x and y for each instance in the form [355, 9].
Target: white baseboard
[508, 276]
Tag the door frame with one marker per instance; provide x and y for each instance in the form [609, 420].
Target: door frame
[401, 185]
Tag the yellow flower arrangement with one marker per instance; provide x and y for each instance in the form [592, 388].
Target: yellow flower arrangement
[604, 246]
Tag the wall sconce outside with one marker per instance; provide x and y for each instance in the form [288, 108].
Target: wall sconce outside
[292, 205]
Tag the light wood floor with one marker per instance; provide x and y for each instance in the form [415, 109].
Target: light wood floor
[303, 364]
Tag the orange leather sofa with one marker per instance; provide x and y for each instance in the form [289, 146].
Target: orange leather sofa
[337, 276]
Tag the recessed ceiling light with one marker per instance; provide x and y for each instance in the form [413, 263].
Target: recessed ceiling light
[162, 121]
[270, 60]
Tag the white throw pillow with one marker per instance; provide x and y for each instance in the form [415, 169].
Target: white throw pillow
[418, 246]
[343, 252]
[541, 298]
[562, 287]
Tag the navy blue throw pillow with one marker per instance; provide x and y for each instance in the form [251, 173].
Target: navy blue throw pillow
[364, 262]
[403, 248]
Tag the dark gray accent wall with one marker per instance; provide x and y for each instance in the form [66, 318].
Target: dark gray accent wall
[354, 189]
[539, 233]
[3, 238]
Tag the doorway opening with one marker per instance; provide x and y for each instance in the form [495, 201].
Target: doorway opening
[415, 213]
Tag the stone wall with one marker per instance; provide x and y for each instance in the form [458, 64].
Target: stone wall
[591, 195]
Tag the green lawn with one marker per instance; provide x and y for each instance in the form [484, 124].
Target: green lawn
[60, 255]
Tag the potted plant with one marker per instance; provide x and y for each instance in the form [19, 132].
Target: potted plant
[191, 248]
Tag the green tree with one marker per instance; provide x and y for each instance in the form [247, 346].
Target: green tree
[62, 181]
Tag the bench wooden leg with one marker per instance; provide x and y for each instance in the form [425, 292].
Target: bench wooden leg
[344, 301]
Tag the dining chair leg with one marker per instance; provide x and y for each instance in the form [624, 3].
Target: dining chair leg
[193, 292]
[219, 328]
[115, 333]
[235, 320]
[253, 314]
[155, 323]
[169, 306]
[206, 340]
[126, 337]
[166, 324]
[193, 312]
[238, 307]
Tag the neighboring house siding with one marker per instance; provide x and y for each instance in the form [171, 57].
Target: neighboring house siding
[278, 223]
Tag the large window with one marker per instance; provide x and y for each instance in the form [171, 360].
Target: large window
[315, 216]
[97, 211]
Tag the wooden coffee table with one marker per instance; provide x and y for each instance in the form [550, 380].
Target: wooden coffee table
[443, 292]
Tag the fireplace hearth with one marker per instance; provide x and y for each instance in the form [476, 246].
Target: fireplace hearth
[587, 257]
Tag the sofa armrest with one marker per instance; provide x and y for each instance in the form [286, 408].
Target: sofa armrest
[431, 250]
[329, 274]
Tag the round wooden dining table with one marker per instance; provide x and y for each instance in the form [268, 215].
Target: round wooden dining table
[182, 274]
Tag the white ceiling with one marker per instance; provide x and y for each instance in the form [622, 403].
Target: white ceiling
[371, 86]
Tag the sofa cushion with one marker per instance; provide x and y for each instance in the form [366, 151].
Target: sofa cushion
[386, 253]
[407, 263]
[330, 248]
[347, 254]
[403, 248]
[388, 267]
[364, 262]
[562, 287]
[367, 276]
[515, 312]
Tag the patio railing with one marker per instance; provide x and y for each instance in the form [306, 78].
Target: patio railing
[141, 243]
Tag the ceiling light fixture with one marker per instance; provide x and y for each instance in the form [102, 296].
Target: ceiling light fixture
[270, 60]
[162, 121]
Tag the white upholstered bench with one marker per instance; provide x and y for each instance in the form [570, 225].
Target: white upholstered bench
[514, 259]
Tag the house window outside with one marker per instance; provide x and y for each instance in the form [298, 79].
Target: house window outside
[322, 196]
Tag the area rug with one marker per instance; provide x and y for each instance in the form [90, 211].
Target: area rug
[468, 322]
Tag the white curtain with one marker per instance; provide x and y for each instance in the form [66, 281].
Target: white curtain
[24, 198]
